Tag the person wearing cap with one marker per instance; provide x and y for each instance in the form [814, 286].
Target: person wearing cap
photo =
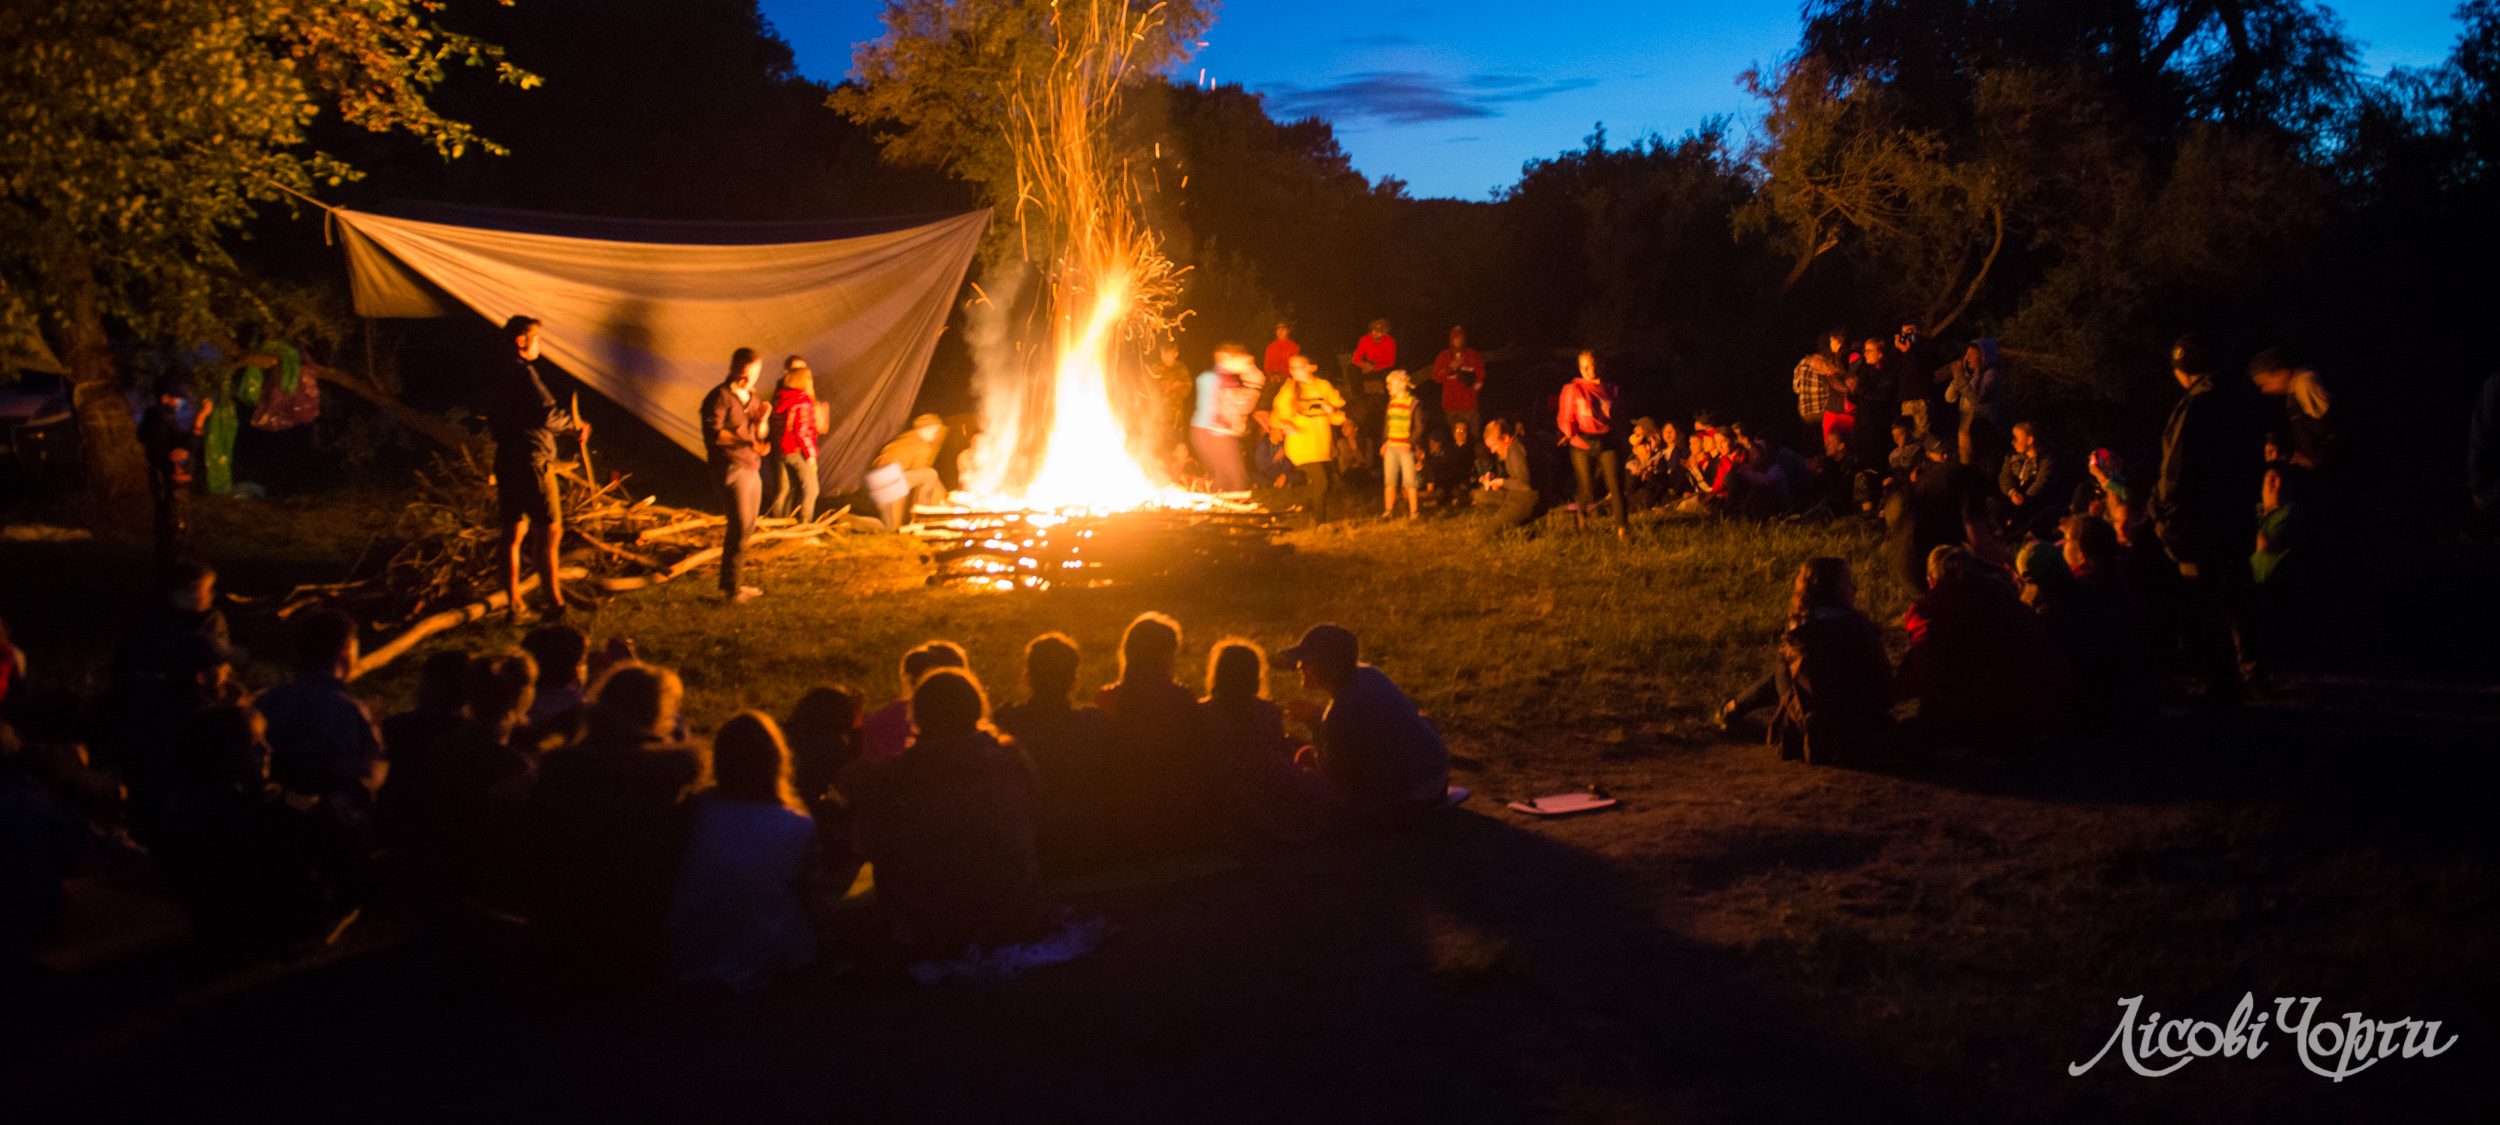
[1375, 748]
[916, 454]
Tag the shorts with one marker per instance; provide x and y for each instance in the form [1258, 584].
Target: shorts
[525, 491]
[1397, 465]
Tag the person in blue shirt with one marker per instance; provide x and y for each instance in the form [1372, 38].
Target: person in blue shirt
[1373, 745]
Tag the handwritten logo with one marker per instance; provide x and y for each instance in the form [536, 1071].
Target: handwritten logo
[2330, 1048]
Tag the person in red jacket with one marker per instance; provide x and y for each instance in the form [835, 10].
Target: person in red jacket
[1586, 417]
[793, 436]
[1280, 352]
[1376, 352]
[1459, 370]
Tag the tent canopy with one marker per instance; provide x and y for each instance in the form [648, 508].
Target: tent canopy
[647, 313]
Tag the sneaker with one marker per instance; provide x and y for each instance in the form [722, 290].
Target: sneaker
[744, 595]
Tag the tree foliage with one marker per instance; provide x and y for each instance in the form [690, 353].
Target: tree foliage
[141, 132]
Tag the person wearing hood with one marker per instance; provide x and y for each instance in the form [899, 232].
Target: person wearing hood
[1833, 681]
[793, 436]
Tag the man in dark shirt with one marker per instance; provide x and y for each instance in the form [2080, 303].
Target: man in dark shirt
[1376, 749]
[525, 421]
[733, 428]
[2202, 514]
[2024, 499]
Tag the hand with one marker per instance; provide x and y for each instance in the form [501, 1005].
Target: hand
[1303, 710]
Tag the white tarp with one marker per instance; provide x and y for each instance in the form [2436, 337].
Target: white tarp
[650, 319]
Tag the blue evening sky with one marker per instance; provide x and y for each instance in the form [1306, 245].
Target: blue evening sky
[1453, 97]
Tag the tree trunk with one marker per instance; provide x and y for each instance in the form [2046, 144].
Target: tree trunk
[73, 326]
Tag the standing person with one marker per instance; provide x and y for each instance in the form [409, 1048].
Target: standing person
[1878, 373]
[793, 435]
[167, 440]
[1977, 385]
[733, 424]
[1373, 357]
[525, 420]
[2277, 373]
[1816, 382]
[915, 453]
[1459, 370]
[1280, 352]
[1399, 468]
[1371, 742]
[1307, 413]
[2482, 449]
[1227, 392]
[1922, 394]
[1586, 416]
[740, 913]
[2201, 513]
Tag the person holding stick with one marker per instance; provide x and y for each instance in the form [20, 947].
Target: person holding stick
[524, 420]
[733, 428]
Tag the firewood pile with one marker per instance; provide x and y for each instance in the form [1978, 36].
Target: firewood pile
[441, 563]
[1035, 550]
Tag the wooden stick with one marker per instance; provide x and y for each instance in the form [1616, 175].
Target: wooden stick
[417, 633]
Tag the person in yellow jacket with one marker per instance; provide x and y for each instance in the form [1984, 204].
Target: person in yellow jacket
[1307, 413]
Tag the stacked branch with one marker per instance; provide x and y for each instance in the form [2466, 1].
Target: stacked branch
[441, 564]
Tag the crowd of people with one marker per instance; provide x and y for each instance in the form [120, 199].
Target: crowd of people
[549, 799]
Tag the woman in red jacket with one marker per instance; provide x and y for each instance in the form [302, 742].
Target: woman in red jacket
[794, 442]
[1586, 416]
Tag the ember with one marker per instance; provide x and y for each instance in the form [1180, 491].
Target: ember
[1036, 550]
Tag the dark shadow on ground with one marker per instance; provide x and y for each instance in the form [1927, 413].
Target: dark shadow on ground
[1467, 971]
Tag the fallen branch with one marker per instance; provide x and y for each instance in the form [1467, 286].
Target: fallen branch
[416, 634]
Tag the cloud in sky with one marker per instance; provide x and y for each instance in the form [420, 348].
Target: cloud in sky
[1406, 97]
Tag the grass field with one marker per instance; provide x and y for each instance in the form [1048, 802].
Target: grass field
[1742, 938]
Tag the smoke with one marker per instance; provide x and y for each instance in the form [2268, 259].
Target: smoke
[1004, 382]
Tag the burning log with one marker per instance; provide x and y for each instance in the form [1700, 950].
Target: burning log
[1040, 549]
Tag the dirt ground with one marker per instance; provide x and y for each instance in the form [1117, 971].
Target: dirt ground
[1743, 939]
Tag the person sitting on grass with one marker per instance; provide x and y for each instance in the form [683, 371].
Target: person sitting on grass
[247, 865]
[1381, 756]
[1832, 683]
[1268, 799]
[1511, 490]
[186, 605]
[823, 733]
[609, 823]
[2100, 627]
[322, 741]
[888, 729]
[1162, 778]
[563, 656]
[743, 909]
[1068, 747]
[949, 828]
[1980, 664]
[451, 807]
[442, 697]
